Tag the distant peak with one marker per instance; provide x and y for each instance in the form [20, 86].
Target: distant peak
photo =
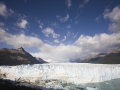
[21, 49]
[102, 54]
[4, 49]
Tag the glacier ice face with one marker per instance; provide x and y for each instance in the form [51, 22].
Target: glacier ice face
[55, 73]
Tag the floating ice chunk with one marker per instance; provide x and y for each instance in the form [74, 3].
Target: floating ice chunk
[92, 88]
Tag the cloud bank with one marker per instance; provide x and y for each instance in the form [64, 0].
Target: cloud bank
[82, 47]
[4, 11]
[114, 17]
[19, 40]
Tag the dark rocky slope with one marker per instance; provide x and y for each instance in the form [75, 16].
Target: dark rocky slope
[104, 58]
[111, 58]
[11, 85]
[16, 57]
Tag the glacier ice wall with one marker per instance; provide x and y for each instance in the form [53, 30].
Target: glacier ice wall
[76, 73]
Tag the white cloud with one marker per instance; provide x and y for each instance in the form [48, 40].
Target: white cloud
[22, 32]
[98, 43]
[22, 24]
[83, 4]
[68, 26]
[68, 33]
[115, 27]
[76, 22]
[98, 18]
[4, 11]
[34, 34]
[56, 41]
[68, 2]
[75, 35]
[21, 16]
[57, 53]
[48, 42]
[63, 19]
[55, 24]
[19, 40]
[114, 17]
[84, 46]
[65, 37]
[49, 31]
[2, 24]
[40, 24]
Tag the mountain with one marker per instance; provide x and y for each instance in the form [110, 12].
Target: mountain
[115, 51]
[41, 60]
[112, 57]
[16, 57]
[92, 58]
[74, 60]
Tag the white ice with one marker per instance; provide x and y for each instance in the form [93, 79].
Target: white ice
[76, 73]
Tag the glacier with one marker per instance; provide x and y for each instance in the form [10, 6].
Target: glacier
[65, 76]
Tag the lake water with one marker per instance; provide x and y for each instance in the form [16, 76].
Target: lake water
[106, 85]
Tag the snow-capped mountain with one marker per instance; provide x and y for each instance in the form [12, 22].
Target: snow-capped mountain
[41, 60]
[74, 60]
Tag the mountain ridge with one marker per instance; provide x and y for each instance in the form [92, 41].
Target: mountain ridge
[113, 57]
[16, 57]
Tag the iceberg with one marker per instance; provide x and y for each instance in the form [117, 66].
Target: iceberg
[77, 76]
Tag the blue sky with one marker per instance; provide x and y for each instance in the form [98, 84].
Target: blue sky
[59, 30]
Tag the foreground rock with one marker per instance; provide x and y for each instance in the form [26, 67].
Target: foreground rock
[67, 76]
[10, 85]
